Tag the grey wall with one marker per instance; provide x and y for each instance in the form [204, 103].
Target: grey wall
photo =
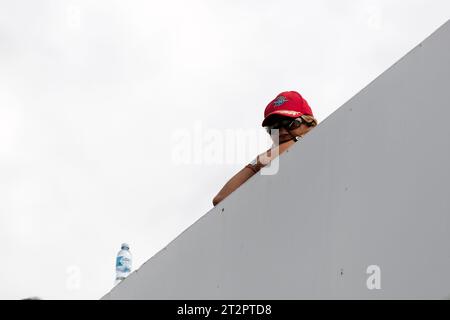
[369, 186]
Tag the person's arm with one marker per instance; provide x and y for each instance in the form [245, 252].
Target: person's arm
[235, 182]
[249, 170]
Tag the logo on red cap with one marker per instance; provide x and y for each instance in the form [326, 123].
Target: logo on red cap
[280, 100]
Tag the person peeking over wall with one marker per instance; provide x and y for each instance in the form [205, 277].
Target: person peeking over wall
[287, 118]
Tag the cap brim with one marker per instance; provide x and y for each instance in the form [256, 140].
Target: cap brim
[286, 113]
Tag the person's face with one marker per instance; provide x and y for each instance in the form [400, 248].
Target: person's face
[286, 134]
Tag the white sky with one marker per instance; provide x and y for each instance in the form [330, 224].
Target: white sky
[91, 93]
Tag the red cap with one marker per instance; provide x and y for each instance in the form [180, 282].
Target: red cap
[289, 104]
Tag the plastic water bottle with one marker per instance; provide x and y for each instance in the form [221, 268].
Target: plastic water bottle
[123, 263]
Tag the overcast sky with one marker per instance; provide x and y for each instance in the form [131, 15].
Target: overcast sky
[97, 99]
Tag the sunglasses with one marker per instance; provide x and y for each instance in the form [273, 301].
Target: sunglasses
[289, 124]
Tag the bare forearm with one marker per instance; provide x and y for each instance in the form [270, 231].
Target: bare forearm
[246, 173]
[235, 182]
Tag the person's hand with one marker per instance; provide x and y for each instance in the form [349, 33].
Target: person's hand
[264, 158]
[286, 145]
[286, 138]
